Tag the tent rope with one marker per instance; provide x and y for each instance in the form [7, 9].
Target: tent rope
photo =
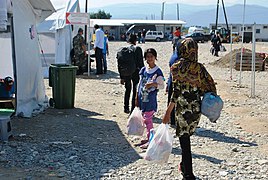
[42, 51]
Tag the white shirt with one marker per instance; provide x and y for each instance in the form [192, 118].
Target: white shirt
[99, 42]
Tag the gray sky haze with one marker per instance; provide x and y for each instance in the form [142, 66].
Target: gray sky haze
[101, 3]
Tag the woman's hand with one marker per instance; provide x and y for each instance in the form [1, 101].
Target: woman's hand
[136, 102]
[166, 118]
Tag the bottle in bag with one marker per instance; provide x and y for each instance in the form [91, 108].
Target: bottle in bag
[152, 132]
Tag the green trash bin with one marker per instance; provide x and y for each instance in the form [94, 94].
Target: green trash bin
[62, 80]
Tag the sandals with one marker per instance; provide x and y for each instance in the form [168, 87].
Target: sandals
[141, 143]
[144, 146]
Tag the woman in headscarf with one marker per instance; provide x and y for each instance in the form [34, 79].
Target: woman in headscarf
[190, 80]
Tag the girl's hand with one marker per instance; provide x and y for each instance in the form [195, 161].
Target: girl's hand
[150, 84]
[166, 89]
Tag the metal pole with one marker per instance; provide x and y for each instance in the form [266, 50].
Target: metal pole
[88, 39]
[178, 11]
[162, 12]
[86, 25]
[241, 58]
[253, 67]
[231, 54]
[226, 21]
[217, 12]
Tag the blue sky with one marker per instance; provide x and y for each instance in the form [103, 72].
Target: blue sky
[101, 3]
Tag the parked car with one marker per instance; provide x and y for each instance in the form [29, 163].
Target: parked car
[154, 35]
[198, 37]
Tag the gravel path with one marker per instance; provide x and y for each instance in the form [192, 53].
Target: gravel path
[89, 141]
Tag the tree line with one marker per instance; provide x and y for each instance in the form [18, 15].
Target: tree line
[101, 14]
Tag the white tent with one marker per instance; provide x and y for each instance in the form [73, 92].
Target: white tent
[56, 36]
[30, 89]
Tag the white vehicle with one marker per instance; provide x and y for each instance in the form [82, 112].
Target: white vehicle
[194, 29]
[154, 35]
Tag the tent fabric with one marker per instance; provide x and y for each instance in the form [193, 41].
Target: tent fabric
[30, 92]
[56, 26]
[71, 6]
[3, 15]
[63, 40]
[57, 19]
[42, 9]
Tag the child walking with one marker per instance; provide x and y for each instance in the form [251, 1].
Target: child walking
[151, 80]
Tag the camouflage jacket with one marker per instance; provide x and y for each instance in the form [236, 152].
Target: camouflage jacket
[78, 43]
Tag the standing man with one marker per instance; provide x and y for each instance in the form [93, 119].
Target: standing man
[143, 34]
[98, 47]
[176, 37]
[139, 36]
[132, 80]
[79, 47]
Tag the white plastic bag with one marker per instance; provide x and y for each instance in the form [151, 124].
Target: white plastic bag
[161, 145]
[135, 124]
[222, 48]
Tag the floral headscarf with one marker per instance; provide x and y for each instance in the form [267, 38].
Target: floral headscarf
[188, 71]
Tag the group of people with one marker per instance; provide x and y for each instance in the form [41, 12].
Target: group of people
[141, 36]
[216, 44]
[80, 55]
[185, 93]
[188, 82]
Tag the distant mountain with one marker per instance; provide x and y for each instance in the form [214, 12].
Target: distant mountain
[149, 10]
[193, 15]
[234, 15]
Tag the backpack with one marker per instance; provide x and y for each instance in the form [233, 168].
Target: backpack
[126, 61]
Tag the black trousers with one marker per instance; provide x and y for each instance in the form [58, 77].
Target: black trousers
[99, 57]
[131, 82]
[186, 155]
[172, 115]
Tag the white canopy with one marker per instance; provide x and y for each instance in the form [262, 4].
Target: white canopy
[30, 91]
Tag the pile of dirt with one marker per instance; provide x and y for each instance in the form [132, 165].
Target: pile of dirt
[225, 60]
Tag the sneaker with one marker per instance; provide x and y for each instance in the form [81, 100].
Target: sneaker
[181, 169]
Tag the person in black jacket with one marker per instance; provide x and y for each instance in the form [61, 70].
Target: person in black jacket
[216, 43]
[133, 80]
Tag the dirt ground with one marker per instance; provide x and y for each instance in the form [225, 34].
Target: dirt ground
[99, 106]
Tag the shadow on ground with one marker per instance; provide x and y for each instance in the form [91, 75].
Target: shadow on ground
[74, 137]
[216, 136]
[110, 74]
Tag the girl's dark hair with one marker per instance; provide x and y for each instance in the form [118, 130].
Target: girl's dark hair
[150, 50]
